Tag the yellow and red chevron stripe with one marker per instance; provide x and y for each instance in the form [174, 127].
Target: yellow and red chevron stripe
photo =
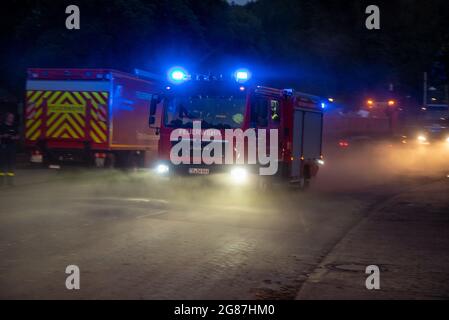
[98, 115]
[66, 115]
[34, 112]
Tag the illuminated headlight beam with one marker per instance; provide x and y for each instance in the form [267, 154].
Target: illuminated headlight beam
[239, 175]
[422, 138]
[162, 169]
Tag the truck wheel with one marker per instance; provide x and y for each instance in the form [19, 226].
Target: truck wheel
[305, 185]
[305, 181]
[264, 183]
[110, 161]
[138, 159]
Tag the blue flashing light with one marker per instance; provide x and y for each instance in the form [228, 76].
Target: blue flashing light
[323, 105]
[177, 75]
[242, 75]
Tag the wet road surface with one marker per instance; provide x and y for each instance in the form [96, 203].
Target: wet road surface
[134, 237]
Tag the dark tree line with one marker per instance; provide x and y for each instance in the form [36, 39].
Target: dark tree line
[316, 45]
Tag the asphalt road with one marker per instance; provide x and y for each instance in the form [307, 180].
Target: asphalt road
[134, 237]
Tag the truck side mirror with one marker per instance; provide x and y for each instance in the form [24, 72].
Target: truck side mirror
[153, 107]
[152, 125]
[152, 121]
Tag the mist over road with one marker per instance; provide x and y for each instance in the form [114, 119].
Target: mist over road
[134, 237]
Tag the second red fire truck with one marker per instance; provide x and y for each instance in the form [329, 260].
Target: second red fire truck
[91, 116]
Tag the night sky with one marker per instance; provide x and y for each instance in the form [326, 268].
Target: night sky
[320, 47]
[241, 2]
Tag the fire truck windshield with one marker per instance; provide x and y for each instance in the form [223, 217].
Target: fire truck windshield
[218, 112]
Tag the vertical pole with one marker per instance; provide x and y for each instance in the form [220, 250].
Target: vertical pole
[425, 90]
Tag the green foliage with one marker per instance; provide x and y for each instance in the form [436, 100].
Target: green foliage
[329, 36]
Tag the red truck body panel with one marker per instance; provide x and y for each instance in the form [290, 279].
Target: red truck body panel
[100, 108]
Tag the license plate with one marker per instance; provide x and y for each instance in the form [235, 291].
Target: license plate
[37, 159]
[199, 171]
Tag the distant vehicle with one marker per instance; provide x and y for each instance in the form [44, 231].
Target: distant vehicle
[220, 103]
[432, 127]
[93, 116]
[374, 121]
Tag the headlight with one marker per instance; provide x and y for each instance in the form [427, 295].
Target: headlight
[320, 162]
[239, 175]
[162, 169]
[422, 138]
[447, 139]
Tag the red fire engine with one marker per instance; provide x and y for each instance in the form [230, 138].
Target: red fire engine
[88, 115]
[222, 104]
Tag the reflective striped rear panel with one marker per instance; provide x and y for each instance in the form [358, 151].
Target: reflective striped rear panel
[67, 115]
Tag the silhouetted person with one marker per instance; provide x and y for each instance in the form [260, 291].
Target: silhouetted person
[9, 135]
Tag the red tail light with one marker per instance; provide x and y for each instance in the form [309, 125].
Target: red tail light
[100, 155]
[343, 144]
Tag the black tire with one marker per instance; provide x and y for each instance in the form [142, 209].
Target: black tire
[120, 159]
[306, 185]
[110, 161]
[264, 183]
[128, 160]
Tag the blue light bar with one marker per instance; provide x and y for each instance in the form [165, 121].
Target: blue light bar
[242, 75]
[177, 75]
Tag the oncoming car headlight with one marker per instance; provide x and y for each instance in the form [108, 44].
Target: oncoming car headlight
[421, 138]
[162, 169]
[239, 175]
[447, 140]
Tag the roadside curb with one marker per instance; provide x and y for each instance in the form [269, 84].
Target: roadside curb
[327, 274]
